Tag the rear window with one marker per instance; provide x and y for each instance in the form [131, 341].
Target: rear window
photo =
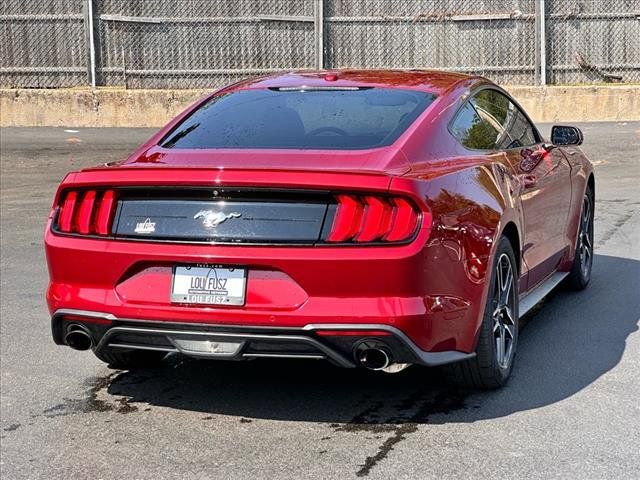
[302, 119]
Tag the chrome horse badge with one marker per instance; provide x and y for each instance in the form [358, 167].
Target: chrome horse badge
[211, 219]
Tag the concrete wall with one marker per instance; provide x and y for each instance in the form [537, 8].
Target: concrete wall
[105, 107]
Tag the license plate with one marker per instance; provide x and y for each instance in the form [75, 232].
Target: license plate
[208, 285]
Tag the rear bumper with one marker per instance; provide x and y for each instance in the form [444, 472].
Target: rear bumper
[426, 290]
[290, 287]
[333, 342]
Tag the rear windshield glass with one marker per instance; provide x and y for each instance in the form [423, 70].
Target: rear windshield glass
[301, 119]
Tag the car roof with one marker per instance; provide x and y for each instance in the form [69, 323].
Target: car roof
[434, 81]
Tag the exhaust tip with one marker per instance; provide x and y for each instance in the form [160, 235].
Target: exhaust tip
[373, 355]
[78, 338]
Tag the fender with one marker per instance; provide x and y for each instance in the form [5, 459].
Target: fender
[471, 201]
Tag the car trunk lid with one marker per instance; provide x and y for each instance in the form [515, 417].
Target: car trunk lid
[380, 160]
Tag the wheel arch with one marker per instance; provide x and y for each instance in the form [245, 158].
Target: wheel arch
[510, 231]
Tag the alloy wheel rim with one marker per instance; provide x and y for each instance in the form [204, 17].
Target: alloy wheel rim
[585, 238]
[504, 322]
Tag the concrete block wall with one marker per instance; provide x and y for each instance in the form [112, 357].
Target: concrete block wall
[105, 107]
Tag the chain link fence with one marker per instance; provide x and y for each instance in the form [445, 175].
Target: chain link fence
[200, 43]
[493, 38]
[208, 43]
[595, 41]
[43, 43]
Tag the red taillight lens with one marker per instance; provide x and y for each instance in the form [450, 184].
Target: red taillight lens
[65, 218]
[105, 213]
[347, 219]
[87, 213]
[376, 220]
[83, 221]
[371, 218]
[404, 221]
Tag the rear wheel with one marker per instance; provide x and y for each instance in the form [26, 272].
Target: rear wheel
[580, 274]
[498, 339]
[129, 359]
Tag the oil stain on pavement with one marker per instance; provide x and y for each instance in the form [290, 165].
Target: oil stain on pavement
[90, 401]
[386, 408]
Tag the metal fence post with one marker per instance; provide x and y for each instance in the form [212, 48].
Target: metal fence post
[541, 42]
[91, 44]
[318, 16]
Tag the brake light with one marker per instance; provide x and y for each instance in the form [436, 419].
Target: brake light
[370, 218]
[66, 212]
[404, 221]
[376, 221]
[347, 219]
[105, 213]
[85, 213]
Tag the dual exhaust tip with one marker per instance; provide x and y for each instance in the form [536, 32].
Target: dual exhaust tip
[373, 355]
[78, 338]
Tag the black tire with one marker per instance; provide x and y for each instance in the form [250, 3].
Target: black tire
[489, 369]
[580, 274]
[130, 359]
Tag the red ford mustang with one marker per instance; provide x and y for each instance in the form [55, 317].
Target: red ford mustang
[371, 218]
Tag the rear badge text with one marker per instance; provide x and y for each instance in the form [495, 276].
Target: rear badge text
[145, 227]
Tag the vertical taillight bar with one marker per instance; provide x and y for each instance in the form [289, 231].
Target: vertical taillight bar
[105, 213]
[403, 223]
[347, 220]
[65, 218]
[83, 220]
[376, 220]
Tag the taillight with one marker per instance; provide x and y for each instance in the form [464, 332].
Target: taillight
[404, 221]
[105, 212]
[86, 213]
[347, 220]
[65, 216]
[370, 218]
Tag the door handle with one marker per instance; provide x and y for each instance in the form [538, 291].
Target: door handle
[528, 180]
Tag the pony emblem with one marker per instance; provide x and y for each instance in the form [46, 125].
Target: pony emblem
[211, 219]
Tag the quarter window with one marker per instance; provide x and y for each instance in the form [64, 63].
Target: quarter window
[490, 121]
[514, 130]
[473, 131]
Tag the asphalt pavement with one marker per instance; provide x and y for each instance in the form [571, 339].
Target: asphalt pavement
[571, 410]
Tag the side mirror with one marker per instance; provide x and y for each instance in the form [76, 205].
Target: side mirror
[566, 135]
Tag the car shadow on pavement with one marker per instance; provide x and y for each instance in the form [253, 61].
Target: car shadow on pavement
[568, 343]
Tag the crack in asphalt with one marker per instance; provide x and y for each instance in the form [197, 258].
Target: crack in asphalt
[405, 418]
[12, 428]
[618, 224]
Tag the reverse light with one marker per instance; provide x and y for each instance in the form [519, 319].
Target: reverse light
[86, 213]
[371, 218]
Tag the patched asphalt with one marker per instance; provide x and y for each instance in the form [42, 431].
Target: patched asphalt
[571, 410]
